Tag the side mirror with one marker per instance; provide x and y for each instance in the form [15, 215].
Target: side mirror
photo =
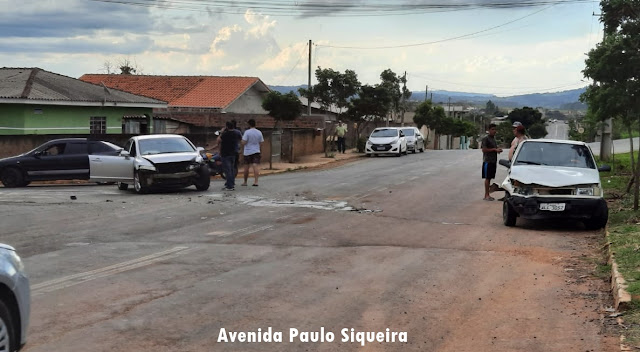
[200, 150]
[604, 168]
[38, 154]
[504, 162]
[124, 153]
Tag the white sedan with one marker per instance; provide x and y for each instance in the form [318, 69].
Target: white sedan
[386, 140]
[150, 161]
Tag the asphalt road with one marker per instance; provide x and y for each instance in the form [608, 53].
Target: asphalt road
[557, 130]
[404, 244]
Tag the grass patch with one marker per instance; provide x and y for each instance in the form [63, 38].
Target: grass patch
[624, 237]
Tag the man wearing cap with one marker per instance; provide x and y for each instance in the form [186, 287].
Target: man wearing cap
[518, 132]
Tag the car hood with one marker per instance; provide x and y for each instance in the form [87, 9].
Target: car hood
[11, 159]
[553, 176]
[6, 246]
[382, 140]
[170, 157]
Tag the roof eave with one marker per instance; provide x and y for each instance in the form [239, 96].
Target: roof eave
[81, 103]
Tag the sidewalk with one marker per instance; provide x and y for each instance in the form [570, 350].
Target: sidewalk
[308, 162]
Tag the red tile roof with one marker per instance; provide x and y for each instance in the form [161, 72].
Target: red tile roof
[183, 91]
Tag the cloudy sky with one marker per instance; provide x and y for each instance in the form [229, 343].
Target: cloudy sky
[527, 46]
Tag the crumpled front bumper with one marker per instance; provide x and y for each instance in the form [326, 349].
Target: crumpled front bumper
[177, 179]
[575, 208]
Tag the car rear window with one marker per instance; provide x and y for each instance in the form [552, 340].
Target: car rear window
[76, 148]
[555, 154]
[408, 131]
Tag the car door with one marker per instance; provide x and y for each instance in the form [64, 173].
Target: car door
[419, 139]
[58, 160]
[113, 168]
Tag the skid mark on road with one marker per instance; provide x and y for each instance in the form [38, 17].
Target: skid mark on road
[75, 279]
[240, 232]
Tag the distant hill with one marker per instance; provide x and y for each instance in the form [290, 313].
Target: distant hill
[568, 99]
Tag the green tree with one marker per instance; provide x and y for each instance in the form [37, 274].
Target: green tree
[282, 107]
[615, 65]
[333, 89]
[370, 105]
[527, 116]
[491, 108]
[538, 130]
[430, 115]
[391, 83]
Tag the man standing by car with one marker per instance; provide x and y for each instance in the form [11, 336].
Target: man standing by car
[490, 153]
[518, 132]
[251, 140]
[228, 148]
[341, 131]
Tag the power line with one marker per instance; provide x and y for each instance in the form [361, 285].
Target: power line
[441, 40]
[296, 64]
[333, 9]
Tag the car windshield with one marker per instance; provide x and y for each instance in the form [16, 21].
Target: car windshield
[164, 145]
[408, 131]
[555, 154]
[387, 132]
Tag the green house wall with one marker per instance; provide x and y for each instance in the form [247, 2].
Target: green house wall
[22, 119]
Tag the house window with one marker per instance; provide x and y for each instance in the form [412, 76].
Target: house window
[98, 125]
[131, 127]
[159, 126]
[37, 111]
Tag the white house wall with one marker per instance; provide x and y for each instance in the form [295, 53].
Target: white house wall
[248, 103]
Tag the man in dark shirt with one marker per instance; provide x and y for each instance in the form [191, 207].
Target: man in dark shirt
[228, 150]
[490, 153]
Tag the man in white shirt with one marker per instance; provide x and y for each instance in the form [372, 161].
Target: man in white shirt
[251, 141]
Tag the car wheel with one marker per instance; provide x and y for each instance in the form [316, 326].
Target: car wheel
[123, 186]
[508, 214]
[599, 219]
[414, 150]
[7, 330]
[399, 152]
[12, 177]
[137, 184]
[204, 179]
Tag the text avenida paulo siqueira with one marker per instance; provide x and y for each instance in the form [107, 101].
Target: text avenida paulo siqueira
[321, 336]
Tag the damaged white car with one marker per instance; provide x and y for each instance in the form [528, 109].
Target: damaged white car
[153, 161]
[554, 179]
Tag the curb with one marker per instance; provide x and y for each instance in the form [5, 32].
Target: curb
[621, 297]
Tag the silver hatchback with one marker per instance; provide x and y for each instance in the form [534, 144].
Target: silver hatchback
[15, 300]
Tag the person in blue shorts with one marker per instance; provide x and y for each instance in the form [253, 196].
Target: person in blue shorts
[490, 153]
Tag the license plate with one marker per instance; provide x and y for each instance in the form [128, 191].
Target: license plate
[552, 206]
[379, 148]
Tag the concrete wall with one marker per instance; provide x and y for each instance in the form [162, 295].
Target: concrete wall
[23, 119]
[297, 143]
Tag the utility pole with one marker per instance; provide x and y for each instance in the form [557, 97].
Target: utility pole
[309, 86]
[426, 91]
[404, 80]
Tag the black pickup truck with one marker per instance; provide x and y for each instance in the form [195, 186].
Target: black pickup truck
[59, 159]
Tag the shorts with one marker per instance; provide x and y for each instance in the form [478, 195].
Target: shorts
[252, 159]
[488, 170]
